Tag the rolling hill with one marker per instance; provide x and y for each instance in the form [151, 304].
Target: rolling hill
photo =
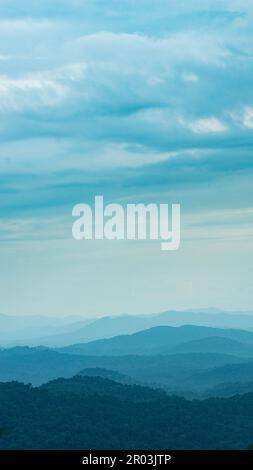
[183, 360]
[174, 371]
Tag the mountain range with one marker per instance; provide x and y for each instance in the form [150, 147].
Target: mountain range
[166, 339]
[58, 332]
[187, 360]
[155, 388]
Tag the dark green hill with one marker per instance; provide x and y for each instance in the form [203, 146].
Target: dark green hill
[89, 413]
[89, 386]
[106, 374]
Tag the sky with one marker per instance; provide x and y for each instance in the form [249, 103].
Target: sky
[138, 101]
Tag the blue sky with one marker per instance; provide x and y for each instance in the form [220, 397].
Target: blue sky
[139, 101]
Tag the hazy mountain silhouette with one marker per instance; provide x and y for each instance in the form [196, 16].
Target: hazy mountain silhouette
[26, 330]
[158, 340]
[180, 359]
[228, 373]
[174, 371]
[216, 344]
[228, 389]
[107, 327]
[49, 331]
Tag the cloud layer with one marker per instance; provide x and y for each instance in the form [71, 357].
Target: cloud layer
[138, 100]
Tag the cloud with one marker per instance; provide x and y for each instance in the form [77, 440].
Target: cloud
[138, 91]
[242, 117]
[205, 125]
[190, 77]
[47, 88]
[248, 117]
[24, 25]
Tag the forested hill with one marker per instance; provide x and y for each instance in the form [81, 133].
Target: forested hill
[89, 413]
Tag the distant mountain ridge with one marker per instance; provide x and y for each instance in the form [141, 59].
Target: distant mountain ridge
[160, 340]
[56, 332]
